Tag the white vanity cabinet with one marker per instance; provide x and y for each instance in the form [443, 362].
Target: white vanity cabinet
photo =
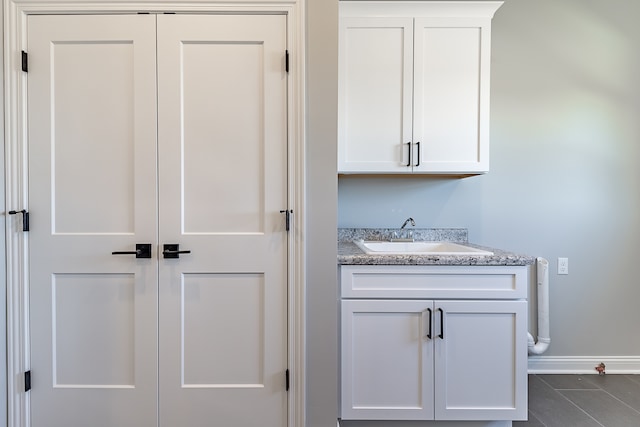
[414, 87]
[433, 342]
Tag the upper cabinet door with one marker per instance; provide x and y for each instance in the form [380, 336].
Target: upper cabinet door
[451, 94]
[414, 87]
[375, 95]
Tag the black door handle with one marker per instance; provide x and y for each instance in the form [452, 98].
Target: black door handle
[173, 251]
[143, 250]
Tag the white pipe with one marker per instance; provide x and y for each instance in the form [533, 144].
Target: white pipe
[544, 338]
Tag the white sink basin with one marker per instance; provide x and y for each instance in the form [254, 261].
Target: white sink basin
[418, 248]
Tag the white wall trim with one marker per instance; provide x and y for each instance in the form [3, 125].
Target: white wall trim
[3, 296]
[16, 196]
[583, 364]
[297, 265]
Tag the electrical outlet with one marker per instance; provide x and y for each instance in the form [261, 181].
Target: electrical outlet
[563, 265]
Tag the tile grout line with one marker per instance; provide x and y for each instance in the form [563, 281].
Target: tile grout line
[571, 402]
[622, 401]
[599, 387]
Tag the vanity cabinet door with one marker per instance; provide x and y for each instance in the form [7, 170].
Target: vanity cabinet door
[481, 360]
[387, 360]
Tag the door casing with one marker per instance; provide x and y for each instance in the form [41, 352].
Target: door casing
[16, 173]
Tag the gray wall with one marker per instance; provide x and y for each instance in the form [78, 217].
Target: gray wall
[565, 167]
[321, 194]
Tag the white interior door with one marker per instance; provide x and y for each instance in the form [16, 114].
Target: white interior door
[222, 140]
[118, 340]
[92, 168]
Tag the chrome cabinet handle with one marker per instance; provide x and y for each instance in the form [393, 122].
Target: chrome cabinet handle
[143, 250]
[173, 251]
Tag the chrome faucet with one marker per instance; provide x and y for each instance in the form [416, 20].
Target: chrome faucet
[408, 220]
[406, 236]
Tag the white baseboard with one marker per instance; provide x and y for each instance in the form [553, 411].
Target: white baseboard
[583, 364]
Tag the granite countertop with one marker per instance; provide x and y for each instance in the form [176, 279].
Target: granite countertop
[349, 253]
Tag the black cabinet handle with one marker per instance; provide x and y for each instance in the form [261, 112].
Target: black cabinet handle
[430, 323]
[143, 250]
[173, 251]
[441, 335]
[418, 162]
[409, 162]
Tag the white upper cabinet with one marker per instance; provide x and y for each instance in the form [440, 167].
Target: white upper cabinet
[414, 87]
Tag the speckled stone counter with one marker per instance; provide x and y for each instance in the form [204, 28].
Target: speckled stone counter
[349, 253]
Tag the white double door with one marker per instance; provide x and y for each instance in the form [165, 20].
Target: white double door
[157, 129]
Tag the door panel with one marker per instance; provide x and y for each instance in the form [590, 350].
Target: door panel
[222, 158]
[211, 304]
[92, 320]
[92, 169]
[107, 157]
[223, 105]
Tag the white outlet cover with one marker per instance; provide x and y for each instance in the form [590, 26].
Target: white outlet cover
[563, 265]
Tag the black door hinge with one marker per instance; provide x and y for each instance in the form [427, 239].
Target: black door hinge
[25, 62]
[25, 218]
[286, 380]
[287, 218]
[286, 61]
[27, 381]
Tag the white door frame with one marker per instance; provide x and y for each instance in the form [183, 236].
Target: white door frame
[16, 173]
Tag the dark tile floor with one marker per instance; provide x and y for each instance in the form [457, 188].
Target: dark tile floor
[583, 401]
